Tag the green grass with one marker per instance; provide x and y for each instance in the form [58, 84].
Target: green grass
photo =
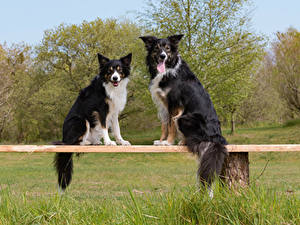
[288, 133]
[152, 188]
[187, 205]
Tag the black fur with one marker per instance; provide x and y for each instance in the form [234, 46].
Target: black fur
[181, 89]
[91, 99]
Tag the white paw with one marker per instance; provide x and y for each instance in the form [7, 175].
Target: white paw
[123, 142]
[112, 143]
[86, 142]
[157, 142]
[98, 142]
[166, 143]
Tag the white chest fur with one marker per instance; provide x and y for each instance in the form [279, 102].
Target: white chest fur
[117, 96]
[154, 86]
[155, 91]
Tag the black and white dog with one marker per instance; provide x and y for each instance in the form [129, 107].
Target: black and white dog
[95, 110]
[183, 100]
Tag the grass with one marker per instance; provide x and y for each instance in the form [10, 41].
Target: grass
[187, 205]
[288, 133]
[152, 188]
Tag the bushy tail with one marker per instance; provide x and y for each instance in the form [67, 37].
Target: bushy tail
[211, 158]
[63, 163]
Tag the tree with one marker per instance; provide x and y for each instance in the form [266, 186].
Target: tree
[263, 103]
[5, 91]
[286, 67]
[218, 45]
[15, 64]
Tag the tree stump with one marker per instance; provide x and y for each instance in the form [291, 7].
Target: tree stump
[235, 172]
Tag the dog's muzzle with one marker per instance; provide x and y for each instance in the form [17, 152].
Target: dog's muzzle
[115, 79]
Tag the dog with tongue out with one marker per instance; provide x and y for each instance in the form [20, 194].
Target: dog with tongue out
[162, 60]
[184, 105]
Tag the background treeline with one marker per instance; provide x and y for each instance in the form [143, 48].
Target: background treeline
[250, 80]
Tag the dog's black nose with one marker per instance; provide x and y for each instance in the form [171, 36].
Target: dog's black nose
[162, 56]
[115, 78]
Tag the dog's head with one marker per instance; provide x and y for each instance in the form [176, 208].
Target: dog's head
[162, 53]
[114, 71]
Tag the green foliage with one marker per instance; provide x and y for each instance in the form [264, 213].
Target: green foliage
[286, 68]
[275, 97]
[292, 123]
[264, 104]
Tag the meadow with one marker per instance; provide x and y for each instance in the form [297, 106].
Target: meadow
[153, 188]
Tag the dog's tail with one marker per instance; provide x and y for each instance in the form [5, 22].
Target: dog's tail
[63, 163]
[211, 158]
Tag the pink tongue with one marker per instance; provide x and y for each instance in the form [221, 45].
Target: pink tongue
[161, 67]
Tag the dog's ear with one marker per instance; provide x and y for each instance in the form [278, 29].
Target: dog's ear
[148, 40]
[174, 39]
[126, 60]
[102, 60]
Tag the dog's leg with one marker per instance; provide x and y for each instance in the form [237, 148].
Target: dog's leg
[116, 131]
[96, 135]
[164, 134]
[106, 137]
[179, 134]
[86, 136]
[172, 127]
[164, 131]
[171, 133]
[165, 119]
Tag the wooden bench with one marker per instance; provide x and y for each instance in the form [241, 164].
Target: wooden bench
[235, 170]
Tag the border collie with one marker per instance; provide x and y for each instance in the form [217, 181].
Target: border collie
[95, 110]
[181, 97]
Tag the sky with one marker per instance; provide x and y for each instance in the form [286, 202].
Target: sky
[26, 21]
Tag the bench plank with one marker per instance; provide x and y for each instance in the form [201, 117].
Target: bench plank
[141, 148]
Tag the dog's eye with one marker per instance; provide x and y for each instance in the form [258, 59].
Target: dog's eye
[110, 70]
[167, 48]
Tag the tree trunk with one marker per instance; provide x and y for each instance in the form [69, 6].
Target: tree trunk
[232, 124]
[236, 169]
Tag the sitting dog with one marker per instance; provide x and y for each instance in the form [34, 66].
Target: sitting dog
[180, 96]
[95, 110]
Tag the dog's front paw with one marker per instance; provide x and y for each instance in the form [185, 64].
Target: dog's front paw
[157, 142]
[86, 142]
[166, 143]
[123, 142]
[98, 142]
[110, 143]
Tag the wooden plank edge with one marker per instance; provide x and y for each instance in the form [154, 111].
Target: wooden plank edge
[141, 148]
